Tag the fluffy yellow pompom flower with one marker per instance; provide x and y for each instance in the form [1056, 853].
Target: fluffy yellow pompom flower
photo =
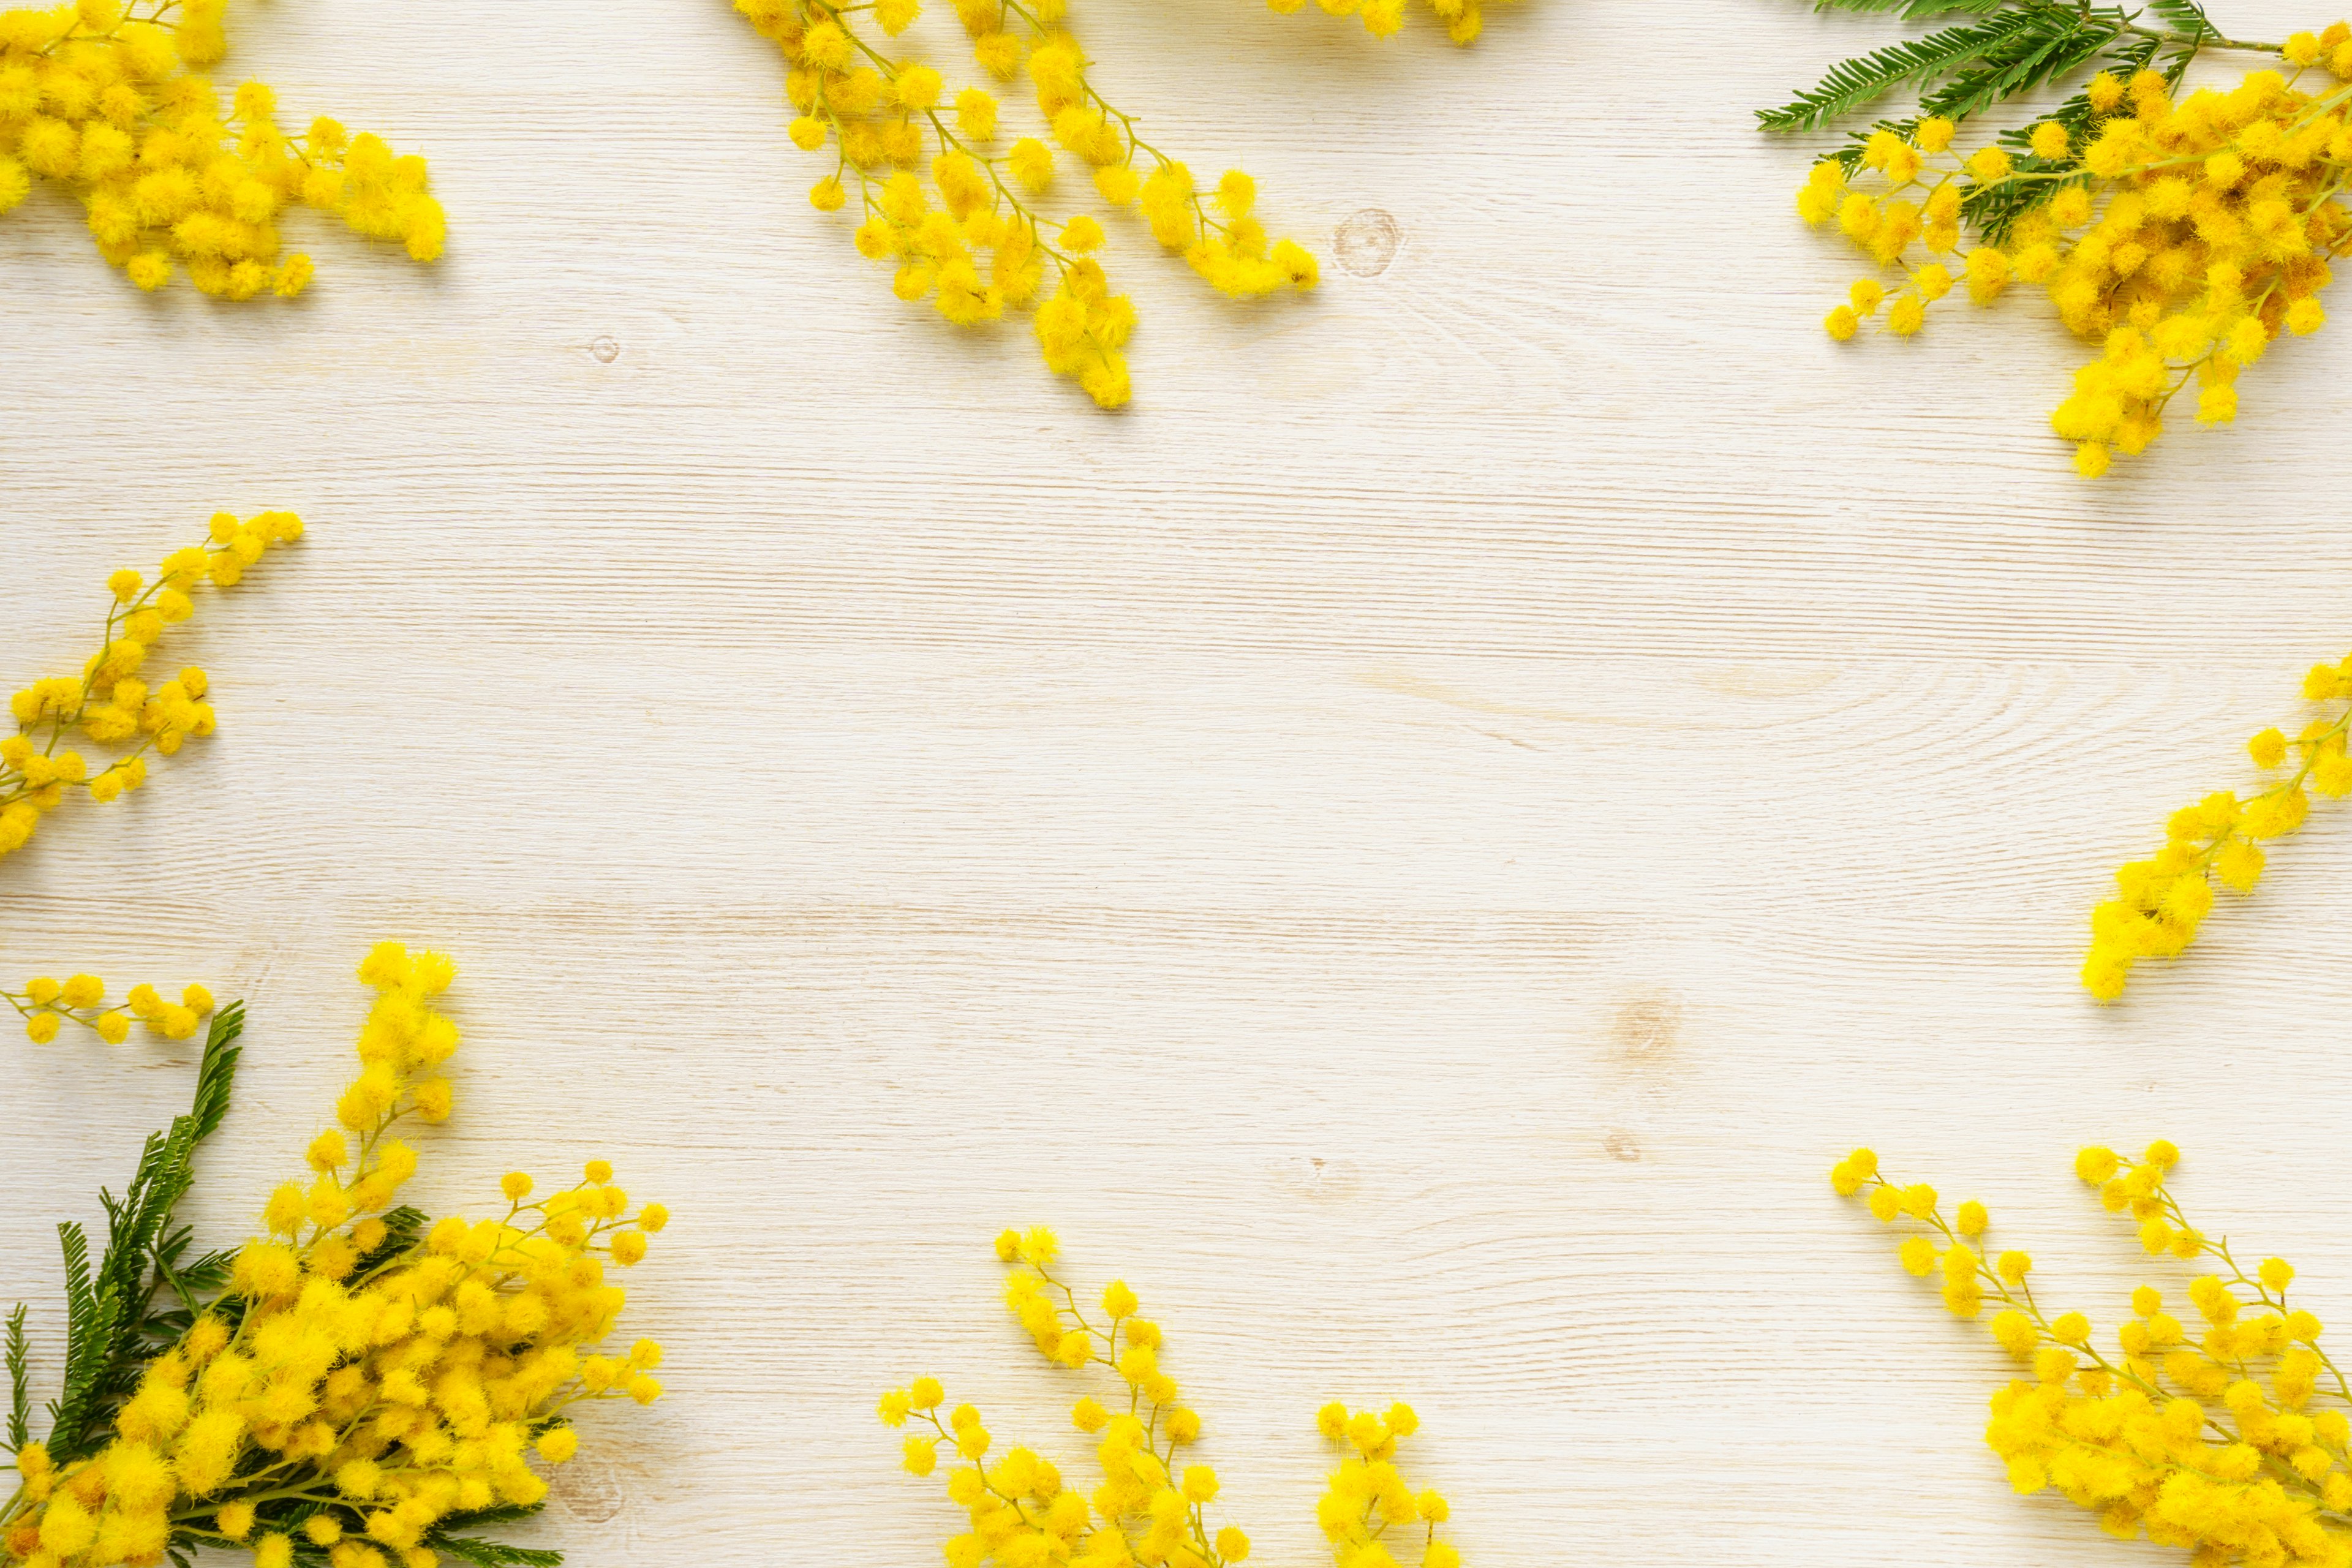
[1032, 162]
[116, 701]
[917, 86]
[2160, 903]
[975, 114]
[2205, 1442]
[971, 239]
[103, 102]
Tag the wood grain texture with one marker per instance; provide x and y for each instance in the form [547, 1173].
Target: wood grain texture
[1416, 844]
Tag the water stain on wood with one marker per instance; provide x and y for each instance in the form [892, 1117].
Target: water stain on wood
[1621, 1146]
[1366, 242]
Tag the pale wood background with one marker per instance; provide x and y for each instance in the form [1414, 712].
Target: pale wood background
[1417, 843]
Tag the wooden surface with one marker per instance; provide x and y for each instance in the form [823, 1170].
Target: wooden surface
[1416, 844]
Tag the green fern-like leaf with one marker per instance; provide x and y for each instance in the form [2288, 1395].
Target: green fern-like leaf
[208, 1274]
[217, 1072]
[2186, 18]
[494, 1554]
[20, 1399]
[1913, 10]
[491, 1554]
[1995, 209]
[2047, 53]
[2020, 46]
[498, 1513]
[90, 1333]
[1850, 84]
[114, 1321]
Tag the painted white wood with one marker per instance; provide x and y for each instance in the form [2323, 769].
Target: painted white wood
[1416, 844]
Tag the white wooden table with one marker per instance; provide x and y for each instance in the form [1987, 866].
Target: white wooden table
[1416, 844]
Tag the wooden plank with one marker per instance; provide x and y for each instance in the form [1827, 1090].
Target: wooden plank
[1416, 844]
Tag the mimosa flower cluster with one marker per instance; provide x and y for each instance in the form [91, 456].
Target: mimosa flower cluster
[2160, 903]
[974, 240]
[1152, 1505]
[364, 1385]
[1368, 1511]
[2221, 1430]
[100, 97]
[2182, 234]
[112, 703]
[1464, 19]
[48, 1005]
